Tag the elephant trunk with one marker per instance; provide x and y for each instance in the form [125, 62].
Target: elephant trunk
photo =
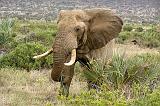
[64, 50]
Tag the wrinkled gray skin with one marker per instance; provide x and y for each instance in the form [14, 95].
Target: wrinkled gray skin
[83, 30]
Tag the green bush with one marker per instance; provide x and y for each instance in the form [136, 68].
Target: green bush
[6, 30]
[123, 82]
[94, 98]
[6, 25]
[152, 99]
[121, 71]
[149, 37]
[21, 57]
[139, 29]
[127, 27]
[3, 38]
[123, 37]
[35, 31]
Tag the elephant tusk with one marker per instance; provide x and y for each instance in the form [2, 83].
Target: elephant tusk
[44, 54]
[73, 58]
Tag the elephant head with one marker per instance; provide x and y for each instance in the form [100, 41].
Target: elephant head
[79, 32]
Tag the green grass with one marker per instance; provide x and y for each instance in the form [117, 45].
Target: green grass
[13, 31]
[152, 99]
[144, 35]
[139, 87]
[123, 82]
[38, 31]
[24, 39]
[134, 81]
[6, 33]
[22, 57]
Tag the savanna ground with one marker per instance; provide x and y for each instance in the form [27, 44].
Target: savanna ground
[131, 78]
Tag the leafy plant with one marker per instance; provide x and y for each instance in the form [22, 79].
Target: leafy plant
[122, 82]
[152, 99]
[21, 57]
[6, 25]
[35, 31]
[139, 29]
[127, 27]
[146, 35]
[94, 98]
[6, 30]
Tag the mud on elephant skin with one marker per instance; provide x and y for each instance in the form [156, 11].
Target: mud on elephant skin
[79, 33]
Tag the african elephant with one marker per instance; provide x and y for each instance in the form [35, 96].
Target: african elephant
[80, 32]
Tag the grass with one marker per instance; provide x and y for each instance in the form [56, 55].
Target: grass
[21, 40]
[134, 81]
[39, 31]
[14, 31]
[19, 87]
[142, 35]
[138, 87]
[123, 82]
[34, 88]
[21, 57]
[6, 30]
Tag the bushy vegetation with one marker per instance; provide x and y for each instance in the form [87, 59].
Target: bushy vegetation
[6, 33]
[143, 35]
[35, 31]
[123, 83]
[108, 98]
[21, 40]
[131, 82]
[22, 57]
[127, 27]
[152, 99]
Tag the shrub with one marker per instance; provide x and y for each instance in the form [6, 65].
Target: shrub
[127, 27]
[152, 99]
[123, 82]
[123, 36]
[35, 31]
[149, 37]
[3, 38]
[94, 98]
[139, 29]
[21, 57]
[6, 26]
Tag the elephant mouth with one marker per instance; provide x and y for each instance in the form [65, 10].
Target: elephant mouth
[73, 58]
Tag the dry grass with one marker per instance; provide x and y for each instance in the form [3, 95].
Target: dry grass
[130, 50]
[35, 88]
[22, 88]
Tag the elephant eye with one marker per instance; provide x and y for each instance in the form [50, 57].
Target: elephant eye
[77, 28]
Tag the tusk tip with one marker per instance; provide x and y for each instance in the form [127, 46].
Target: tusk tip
[73, 58]
[35, 57]
[68, 64]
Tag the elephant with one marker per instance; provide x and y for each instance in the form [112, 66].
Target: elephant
[80, 32]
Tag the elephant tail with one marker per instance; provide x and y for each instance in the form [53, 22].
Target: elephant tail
[44, 54]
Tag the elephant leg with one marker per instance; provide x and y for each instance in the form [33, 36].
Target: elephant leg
[65, 80]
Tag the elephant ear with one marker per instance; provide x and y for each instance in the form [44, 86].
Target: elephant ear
[103, 26]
